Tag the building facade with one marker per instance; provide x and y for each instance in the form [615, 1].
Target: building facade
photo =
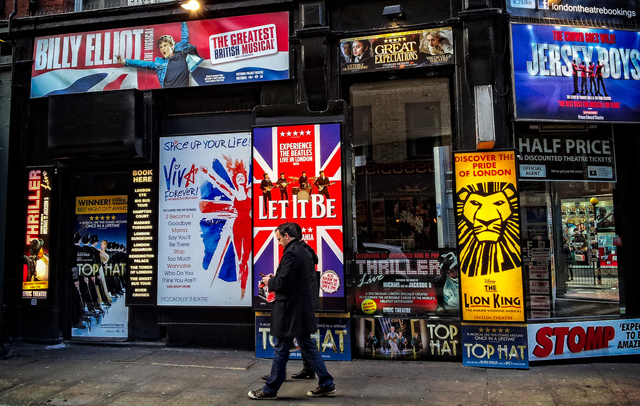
[153, 150]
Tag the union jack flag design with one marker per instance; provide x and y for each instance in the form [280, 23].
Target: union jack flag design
[289, 153]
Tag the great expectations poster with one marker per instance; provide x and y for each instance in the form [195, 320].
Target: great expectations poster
[410, 49]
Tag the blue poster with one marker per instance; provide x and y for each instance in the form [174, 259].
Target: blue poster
[576, 74]
[495, 346]
[333, 337]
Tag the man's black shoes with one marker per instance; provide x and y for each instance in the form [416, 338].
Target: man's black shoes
[304, 374]
[260, 395]
[320, 391]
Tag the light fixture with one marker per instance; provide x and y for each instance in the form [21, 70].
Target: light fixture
[191, 5]
[393, 12]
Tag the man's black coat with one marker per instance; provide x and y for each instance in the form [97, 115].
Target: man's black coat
[296, 286]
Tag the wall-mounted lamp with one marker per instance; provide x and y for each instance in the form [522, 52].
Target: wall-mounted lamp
[191, 5]
[393, 12]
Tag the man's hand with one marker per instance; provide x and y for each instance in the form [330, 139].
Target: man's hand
[120, 60]
[265, 279]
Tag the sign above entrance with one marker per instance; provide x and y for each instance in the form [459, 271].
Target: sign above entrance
[195, 53]
[618, 11]
[400, 50]
[587, 156]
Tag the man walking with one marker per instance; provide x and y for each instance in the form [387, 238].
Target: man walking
[293, 315]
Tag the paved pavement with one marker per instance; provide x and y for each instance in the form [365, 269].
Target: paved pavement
[140, 375]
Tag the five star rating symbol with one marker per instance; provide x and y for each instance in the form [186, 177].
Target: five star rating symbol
[295, 133]
[91, 218]
[394, 40]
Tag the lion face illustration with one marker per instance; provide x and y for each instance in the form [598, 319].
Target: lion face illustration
[488, 228]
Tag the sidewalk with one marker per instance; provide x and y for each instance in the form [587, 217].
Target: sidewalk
[79, 374]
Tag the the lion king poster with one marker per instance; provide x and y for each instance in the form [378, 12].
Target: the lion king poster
[488, 224]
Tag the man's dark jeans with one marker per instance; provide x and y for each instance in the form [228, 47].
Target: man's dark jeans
[281, 357]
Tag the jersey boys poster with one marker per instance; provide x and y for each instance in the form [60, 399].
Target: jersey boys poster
[204, 225]
[195, 53]
[576, 74]
[297, 177]
[35, 274]
[99, 273]
[488, 223]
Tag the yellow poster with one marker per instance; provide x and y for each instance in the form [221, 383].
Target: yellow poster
[488, 224]
[101, 204]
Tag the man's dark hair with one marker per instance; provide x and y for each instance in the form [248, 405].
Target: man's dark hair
[293, 229]
[264, 176]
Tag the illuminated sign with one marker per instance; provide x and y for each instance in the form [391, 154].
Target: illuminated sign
[35, 277]
[488, 224]
[407, 284]
[297, 177]
[619, 11]
[142, 238]
[204, 220]
[575, 74]
[400, 50]
[252, 48]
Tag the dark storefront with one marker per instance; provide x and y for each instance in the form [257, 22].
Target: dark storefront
[398, 136]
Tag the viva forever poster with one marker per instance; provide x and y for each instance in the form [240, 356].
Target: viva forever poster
[204, 225]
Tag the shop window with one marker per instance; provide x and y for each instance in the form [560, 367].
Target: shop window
[423, 128]
[569, 235]
[362, 133]
[396, 126]
[83, 5]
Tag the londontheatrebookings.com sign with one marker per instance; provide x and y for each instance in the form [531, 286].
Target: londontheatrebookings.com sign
[575, 74]
[620, 11]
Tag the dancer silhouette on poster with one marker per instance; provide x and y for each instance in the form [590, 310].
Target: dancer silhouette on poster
[240, 195]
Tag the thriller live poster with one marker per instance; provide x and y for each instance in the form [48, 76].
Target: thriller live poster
[297, 177]
[575, 74]
[410, 284]
[488, 224]
[35, 275]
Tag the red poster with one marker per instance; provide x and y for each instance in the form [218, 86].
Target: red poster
[297, 178]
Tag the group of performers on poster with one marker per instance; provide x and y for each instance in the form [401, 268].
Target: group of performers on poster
[304, 189]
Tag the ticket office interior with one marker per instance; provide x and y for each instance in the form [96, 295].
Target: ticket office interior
[575, 221]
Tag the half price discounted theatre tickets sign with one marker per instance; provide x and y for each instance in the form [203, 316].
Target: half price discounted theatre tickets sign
[488, 225]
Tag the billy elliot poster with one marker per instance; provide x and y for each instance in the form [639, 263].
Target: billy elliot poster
[576, 74]
[204, 225]
[240, 49]
[407, 284]
[297, 177]
[488, 225]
